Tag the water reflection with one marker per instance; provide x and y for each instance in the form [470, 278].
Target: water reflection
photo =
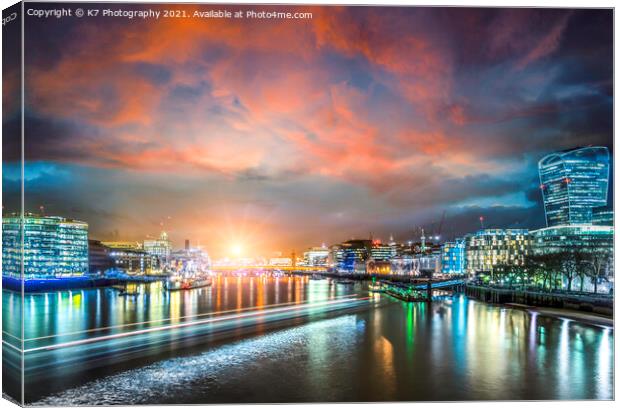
[454, 349]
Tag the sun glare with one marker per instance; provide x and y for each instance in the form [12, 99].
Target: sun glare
[237, 249]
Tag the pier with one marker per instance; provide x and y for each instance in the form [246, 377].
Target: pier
[419, 292]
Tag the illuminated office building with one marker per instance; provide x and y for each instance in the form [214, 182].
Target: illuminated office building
[53, 247]
[382, 252]
[133, 261]
[488, 248]
[160, 248]
[582, 238]
[316, 256]
[351, 256]
[603, 216]
[453, 257]
[574, 182]
[335, 256]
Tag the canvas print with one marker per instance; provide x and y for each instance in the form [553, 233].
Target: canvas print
[228, 203]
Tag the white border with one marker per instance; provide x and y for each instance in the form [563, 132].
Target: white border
[462, 3]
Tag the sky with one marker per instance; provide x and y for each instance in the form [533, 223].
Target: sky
[278, 135]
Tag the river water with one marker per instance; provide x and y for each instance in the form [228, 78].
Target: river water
[293, 339]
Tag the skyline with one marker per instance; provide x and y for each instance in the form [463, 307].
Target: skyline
[396, 115]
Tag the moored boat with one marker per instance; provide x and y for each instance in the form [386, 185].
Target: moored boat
[178, 283]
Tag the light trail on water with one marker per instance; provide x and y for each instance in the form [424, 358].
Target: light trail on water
[120, 326]
[241, 316]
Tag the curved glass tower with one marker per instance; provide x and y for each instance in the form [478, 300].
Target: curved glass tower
[574, 182]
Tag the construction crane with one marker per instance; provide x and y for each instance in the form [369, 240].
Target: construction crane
[443, 219]
[436, 233]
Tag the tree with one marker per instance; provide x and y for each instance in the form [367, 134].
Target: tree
[541, 268]
[568, 262]
[596, 264]
[507, 272]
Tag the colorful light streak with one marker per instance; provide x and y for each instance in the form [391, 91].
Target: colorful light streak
[262, 313]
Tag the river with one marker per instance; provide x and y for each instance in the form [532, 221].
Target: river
[293, 339]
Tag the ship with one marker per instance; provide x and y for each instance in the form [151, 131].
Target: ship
[185, 283]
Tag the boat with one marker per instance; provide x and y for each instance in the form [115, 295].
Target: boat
[186, 283]
[317, 277]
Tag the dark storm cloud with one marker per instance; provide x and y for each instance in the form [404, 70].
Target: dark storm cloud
[361, 118]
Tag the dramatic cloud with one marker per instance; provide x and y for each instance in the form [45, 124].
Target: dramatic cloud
[294, 132]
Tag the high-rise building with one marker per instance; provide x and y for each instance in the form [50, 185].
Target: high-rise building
[53, 247]
[574, 182]
[603, 216]
[489, 248]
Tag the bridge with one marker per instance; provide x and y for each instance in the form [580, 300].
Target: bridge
[227, 268]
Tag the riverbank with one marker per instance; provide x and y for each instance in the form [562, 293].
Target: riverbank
[584, 317]
[81, 282]
[571, 303]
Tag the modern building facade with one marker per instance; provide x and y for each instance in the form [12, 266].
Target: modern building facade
[132, 261]
[453, 257]
[573, 183]
[603, 216]
[382, 252]
[160, 248]
[53, 247]
[350, 256]
[316, 256]
[568, 238]
[488, 248]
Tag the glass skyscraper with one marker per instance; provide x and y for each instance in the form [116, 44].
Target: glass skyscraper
[574, 182]
[53, 247]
